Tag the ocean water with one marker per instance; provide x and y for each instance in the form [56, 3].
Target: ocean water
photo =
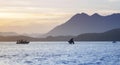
[60, 53]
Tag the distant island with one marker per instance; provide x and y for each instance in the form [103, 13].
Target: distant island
[111, 35]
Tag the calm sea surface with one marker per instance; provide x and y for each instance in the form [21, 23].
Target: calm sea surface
[60, 53]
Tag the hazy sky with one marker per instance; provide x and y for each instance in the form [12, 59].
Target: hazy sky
[40, 16]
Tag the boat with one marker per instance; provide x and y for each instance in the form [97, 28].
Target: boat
[22, 42]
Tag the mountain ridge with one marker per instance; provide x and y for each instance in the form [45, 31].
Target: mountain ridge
[84, 23]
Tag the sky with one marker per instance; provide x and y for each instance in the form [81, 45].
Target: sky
[40, 16]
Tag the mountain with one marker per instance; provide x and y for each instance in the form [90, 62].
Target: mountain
[8, 34]
[84, 23]
[19, 37]
[112, 35]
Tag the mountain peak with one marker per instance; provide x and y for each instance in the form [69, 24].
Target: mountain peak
[80, 15]
[84, 14]
[115, 14]
[96, 15]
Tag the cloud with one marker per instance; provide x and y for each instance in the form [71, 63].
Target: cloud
[43, 24]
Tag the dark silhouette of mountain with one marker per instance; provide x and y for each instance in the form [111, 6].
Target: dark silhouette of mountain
[56, 38]
[49, 38]
[112, 35]
[15, 38]
[83, 23]
[35, 35]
